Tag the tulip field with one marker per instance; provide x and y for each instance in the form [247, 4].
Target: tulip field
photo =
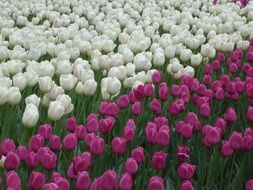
[126, 95]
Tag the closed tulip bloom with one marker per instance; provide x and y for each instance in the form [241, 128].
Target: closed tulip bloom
[129, 134]
[33, 99]
[68, 81]
[3, 95]
[186, 185]
[221, 124]
[48, 160]
[92, 125]
[83, 181]
[163, 137]
[249, 184]
[56, 110]
[36, 180]
[45, 131]
[131, 166]
[123, 101]
[22, 152]
[106, 125]
[113, 85]
[137, 108]
[157, 77]
[212, 135]
[71, 172]
[185, 130]
[156, 183]
[118, 145]
[97, 146]
[45, 83]
[62, 183]
[14, 96]
[159, 160]
[55, 143]
[236, 140]
[183, 153]
[185, 171]
[126, 182]
[155, 106]
[138, 154]
[11, 161]
[226, 149]
[250, 56]
[30, 116]
[151, 133]
[13, 180]
[50, 186]
[109, 180]
[7, 145]
[80, 132]
[35, 142]
[230, 115]
[163, 91]
[32, 160]
[19, 80]
[89, 87]
[249, 114]
[148, 90]
[71, 124]
[205, 110]
[70, 142]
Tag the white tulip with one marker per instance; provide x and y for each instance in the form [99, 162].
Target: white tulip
[113, 86]
[79, 87]
[128, 82]
[170, 52]
[185, 55]
[130, 69]
[105, 94]
[45, 83]
[136, 84]
[65, 100]
[19, 80]
[31, 78]
[159, 58]
[141, 76]
[56, 110]
[63, 67]
[30, 116]
[5, 82]
[68, 81]
[3, 95]
[55, 92]
[13, 96]
[14, 66]
[243, 44]
[33, 99]
[149, 75]
[86, 74]
[2, 160]
[176, 66]
[196, 59]
[178, 75]
[188, 71]
[45, 100]
[89, 87]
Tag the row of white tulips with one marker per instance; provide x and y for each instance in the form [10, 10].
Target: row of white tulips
[62, 45]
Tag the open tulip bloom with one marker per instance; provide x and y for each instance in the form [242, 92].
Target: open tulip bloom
[126, 95]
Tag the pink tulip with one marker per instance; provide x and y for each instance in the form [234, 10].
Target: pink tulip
[205, 110]
[139, 92]
[97, 146]
[138, 154]
[221, 124]
[12, 161]
[185, 171]
[82, 162]
[163, 137]
[156, 183]
[45, 131]
[36, 141]
[70, 142]
[137, 108]
[13, 180]
[186, 185]
[118, 145]
[62, 183]
[159, 160]
[22, 152]
[32, 160]
[131, 166]
[83, 181]
[226, 149]
[148, 90]
[109, 180]
[92, 125]
[212, 135]
[249, 184]
[80, 132]
[208, 69]
[155, 106]
[230, 115]
[55, 143]
[126, 182]
[71, 124]
[183, 153]
[7, 145]
[220, 57]
[157, 77]
[129, 134]
[123, 101]
[36, 180]
[249, 114]
[236, 140]
[71, 172]
[163, 91]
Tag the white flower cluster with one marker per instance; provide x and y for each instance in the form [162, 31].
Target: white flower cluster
[60, 45]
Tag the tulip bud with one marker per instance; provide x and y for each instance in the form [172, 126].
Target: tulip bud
[19, 81]
[13, 96]
[70, 142]
[68, 81]
[226, 149]
[156, 183]
[118, 145]
[159, 160]
[131, 166]
[7, 145]
[113, 86]
[50, 186]
[83, 181]
[36, 180]
[97, 145]
[35, 142]
[45, 131]
[89, 87]
[3, 95]
[11, 161]
[71, 124]
[55, 110]
[230, 115]
[249, 114]
[138, 155]
[137, 108]
[32, 160]
[185, 171]
[22, 152]
[236, 140]
[33, 99]
[80, 132]
[13, 180]
[30, 116]
[249, 184]
[126, 182]
[55, 143]
[45, 83]
[109, 180]
[186, 185]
